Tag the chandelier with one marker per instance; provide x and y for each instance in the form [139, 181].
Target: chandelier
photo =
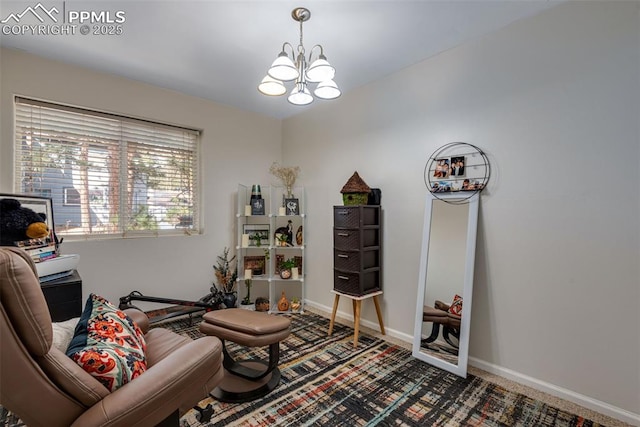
[284, 69]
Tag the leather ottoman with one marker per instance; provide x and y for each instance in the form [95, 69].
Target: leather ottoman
[250, 379]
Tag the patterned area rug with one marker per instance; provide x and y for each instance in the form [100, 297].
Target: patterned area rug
[326, 382]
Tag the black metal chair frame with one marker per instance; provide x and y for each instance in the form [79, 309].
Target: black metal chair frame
[447, 333]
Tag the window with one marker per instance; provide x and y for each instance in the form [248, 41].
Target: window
[107, 174]
[71, 197]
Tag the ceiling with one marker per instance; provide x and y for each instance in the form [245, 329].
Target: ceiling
[220, 50]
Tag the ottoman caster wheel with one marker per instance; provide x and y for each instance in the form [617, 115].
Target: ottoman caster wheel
[204, 414]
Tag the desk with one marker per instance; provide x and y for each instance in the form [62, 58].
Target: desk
[357, 305]
[64, 297]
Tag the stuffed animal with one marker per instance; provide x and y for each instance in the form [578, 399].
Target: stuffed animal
[19, 223]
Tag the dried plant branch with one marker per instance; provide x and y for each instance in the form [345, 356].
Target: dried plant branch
[287, 175]
[226, 274]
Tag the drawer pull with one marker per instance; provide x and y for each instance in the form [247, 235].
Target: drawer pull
[343, 234]
[343, 256]
[343, 277]
[343, 212]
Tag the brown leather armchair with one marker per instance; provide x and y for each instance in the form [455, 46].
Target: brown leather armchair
[44, 387]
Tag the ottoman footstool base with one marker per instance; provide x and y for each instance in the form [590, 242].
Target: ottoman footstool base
[236, 389]
[247, 380]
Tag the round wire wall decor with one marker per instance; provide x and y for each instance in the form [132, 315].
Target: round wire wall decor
[457, 167]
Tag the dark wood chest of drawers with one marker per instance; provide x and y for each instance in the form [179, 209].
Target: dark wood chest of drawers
[357, 249]
[64, 297]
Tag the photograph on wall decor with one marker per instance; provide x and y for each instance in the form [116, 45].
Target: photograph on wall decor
[292, 206]
[258, 234]
[257, 207]
[472, 185]
[256, 264]
[442, 168]
[441, 187]
[457, 166]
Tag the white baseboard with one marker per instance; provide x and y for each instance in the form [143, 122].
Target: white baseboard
[563, 393]
[363, 322]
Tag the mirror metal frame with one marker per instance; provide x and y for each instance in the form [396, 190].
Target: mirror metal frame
[467, 293]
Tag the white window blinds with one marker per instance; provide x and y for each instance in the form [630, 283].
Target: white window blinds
[107, 174]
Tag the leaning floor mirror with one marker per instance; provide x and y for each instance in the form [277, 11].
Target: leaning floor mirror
[445, 281]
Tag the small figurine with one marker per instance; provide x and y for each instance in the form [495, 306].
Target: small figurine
[262, 304]
[299, 236]
[283, 304]
[284, 235]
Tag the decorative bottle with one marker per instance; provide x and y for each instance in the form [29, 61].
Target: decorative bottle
[256, 193]
[283, 303]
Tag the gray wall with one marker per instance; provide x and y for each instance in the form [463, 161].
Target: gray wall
[232, 152]
[555, 102]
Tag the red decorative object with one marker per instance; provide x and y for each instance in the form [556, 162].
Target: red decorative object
[456, 305]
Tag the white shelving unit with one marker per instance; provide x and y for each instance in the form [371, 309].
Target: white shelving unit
[263, 256]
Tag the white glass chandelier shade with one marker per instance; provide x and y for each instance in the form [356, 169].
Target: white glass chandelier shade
[271, 87]
[283, 68]
[327, 90]
[286, 68]
[300, 95]
[320, 70]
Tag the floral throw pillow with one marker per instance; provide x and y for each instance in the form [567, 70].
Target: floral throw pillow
[456, 305]
[108, 344]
